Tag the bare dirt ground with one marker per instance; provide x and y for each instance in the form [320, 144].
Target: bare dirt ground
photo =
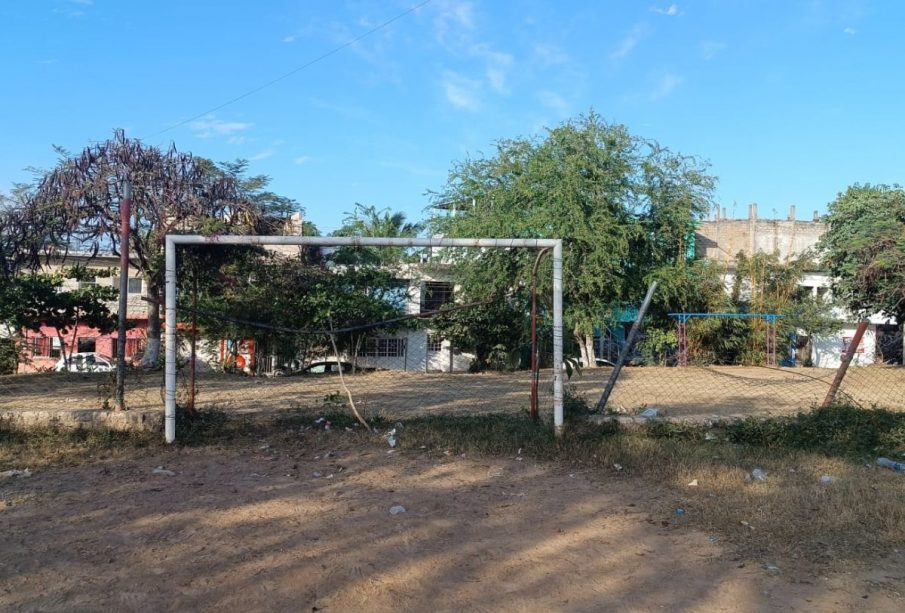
[680, 392]
[308, 527]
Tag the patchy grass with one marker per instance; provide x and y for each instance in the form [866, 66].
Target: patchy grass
[38, 447]
[790, 515]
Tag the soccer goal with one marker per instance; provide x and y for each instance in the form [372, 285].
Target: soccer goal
[394, 328]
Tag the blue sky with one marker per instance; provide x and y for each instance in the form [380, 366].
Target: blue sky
[789, 101]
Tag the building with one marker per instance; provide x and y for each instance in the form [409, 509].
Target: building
[721, 240]
[43, 348]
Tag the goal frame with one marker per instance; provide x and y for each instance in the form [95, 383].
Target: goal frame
[170, 271]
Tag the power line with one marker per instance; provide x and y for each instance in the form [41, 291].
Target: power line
[319, 58]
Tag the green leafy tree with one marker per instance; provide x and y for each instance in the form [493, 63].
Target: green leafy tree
[624, 206]
[864, 249]
[30, 301]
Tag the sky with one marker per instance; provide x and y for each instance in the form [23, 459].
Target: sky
[789, 101]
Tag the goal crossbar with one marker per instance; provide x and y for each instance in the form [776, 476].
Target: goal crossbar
[172, 240]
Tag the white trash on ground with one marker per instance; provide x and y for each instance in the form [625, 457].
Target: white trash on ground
[891, 464]
[161, 471]
[758, 474]
[396, 510]
[22, 474]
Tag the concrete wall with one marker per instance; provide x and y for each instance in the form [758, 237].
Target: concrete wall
[827, 349]
[721, 240]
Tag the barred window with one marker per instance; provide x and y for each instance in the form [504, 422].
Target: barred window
[384, 348]
[434, 343]
[435, 295]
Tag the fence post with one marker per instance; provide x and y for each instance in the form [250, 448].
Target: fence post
[601, 404]
[843, 367]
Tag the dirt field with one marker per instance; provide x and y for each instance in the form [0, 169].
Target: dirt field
[309, 528]
[680, 392]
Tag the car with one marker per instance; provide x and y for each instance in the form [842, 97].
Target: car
[320, 368]
[84, 362]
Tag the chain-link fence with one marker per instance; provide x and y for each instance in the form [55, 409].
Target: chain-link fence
[713, 380]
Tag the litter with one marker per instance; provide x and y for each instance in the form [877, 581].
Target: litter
[6, 474]
[746, 524]
[891, 464]
[773, 569]
[650, 413]
[396, 510]
[617, 466]
[827, 479]
[680, 512]
[160, 470]
[758, 474]
[693, 483]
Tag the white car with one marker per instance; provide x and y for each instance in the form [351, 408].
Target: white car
[84, 362]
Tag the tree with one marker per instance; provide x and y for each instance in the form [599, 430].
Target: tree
[78, 204]
[864, 249]
[624, 206]
[34, 300]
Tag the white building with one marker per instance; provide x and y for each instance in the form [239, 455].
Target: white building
[721, 239]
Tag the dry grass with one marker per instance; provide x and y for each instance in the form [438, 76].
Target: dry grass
[680, 392]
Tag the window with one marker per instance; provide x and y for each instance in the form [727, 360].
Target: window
[134, 284]
[435, 295]
[384, 348]
[87, 345]
[36, 345]
[88, 282]
[434, 343]
[55, 346]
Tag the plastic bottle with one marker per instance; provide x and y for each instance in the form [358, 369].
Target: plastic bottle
[900, 466]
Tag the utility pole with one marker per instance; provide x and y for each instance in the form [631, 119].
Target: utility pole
[125, 213]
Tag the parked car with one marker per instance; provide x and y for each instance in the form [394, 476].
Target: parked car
[84, 362]
[320, 368]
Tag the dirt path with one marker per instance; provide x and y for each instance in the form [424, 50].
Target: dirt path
[310, 529]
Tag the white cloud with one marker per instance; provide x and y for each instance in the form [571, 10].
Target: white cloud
[711, 48]
[627, 44]
[452, 15]
[82, 2]
[461, 92]
[549, 55]
[289, 39]
[850, 31]
[262, 155]
[302, 159]
[553, 101]
[497, 66]
[670, 11]
[667, 85]
[209, 126]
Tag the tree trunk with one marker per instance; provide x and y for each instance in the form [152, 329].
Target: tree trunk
[586, 347]
[152, 352]
[589, 348]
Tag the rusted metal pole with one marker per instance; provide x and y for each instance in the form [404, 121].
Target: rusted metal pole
[125, 213]
[191, 406]
[535, 365]
[605, 396]
[843, 367]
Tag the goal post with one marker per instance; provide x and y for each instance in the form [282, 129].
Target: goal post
[170, 270]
